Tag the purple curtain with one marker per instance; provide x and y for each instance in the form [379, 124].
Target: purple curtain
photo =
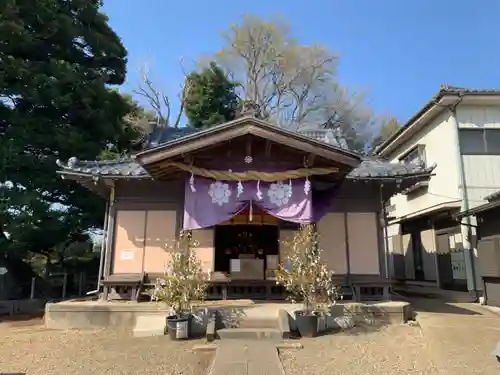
[214, 202]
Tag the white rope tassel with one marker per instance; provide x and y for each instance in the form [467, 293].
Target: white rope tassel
[191, 183]
[307, 186]
[259, 193]
[250, 212]
[240, 189]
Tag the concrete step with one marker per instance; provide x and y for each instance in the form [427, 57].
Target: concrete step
[149, 325]
[250, 334]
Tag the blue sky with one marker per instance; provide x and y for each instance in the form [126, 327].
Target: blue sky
[399, 51]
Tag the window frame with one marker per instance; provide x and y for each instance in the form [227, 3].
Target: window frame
[484, 133]
[419, 149]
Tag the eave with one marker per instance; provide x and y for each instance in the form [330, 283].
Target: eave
[479, 209]
[101, 186]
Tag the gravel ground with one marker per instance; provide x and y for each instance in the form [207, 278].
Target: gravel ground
[36, 350]
[391, 350]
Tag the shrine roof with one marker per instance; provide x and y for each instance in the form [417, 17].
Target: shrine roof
[369, 168]
[129, 167]
[164, 135]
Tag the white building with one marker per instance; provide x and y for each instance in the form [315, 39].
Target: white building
[458, 130]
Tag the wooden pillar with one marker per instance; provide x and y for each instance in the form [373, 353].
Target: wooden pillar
[110, 231]
[347, 253]
[143, 261]
[383, 238]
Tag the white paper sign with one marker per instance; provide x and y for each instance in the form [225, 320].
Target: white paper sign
[458, 265]
[235, 265]
[451, 240]
[182, 330]
[272, 262]
[127, 255]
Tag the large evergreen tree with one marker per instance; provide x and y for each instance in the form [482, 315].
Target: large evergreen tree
[57, 61]
[211, 97]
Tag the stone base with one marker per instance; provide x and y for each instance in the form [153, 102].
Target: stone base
[149, 325]
[83, 315]
[130, 315]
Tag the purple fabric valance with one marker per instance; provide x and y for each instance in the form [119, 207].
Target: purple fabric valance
[208, 202]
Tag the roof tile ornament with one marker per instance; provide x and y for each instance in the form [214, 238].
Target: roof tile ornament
[250, 109]
[72, 161]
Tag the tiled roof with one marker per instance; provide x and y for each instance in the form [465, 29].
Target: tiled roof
[110, 168]
[377, 168]
[493, 197]
[127, 167]
[163, 135]
[369, 168]
[450, 89]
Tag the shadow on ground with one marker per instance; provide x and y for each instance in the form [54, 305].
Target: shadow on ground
[34, 318]
[435, 304]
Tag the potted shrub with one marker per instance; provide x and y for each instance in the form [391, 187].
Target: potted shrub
[182, 285]
[307, 278]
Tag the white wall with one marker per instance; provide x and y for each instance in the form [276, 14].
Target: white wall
[441, 148]
[482, 172]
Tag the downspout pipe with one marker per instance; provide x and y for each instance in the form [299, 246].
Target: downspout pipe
[465, 198]
[103, 248]
[386, 232]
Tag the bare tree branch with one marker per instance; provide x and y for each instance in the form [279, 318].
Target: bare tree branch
[293, 84]
[160, 102]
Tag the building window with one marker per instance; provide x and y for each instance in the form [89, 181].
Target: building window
[492, 138]
[415, 156]
[479, 141]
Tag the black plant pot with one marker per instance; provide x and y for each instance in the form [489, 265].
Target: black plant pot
[179, 327]
[306, 324]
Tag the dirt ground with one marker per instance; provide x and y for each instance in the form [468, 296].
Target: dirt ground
[449, 339]
[31, 349]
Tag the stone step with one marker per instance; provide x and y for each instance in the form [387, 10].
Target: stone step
[250, 334]
[149, 325]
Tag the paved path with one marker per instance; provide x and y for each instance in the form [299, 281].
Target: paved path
[251, 357]
[461, 335]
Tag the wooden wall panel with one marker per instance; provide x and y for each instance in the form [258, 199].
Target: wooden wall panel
[129, 241]
[161, 231]
[332, 239]
[145, 191]
[363, 243]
